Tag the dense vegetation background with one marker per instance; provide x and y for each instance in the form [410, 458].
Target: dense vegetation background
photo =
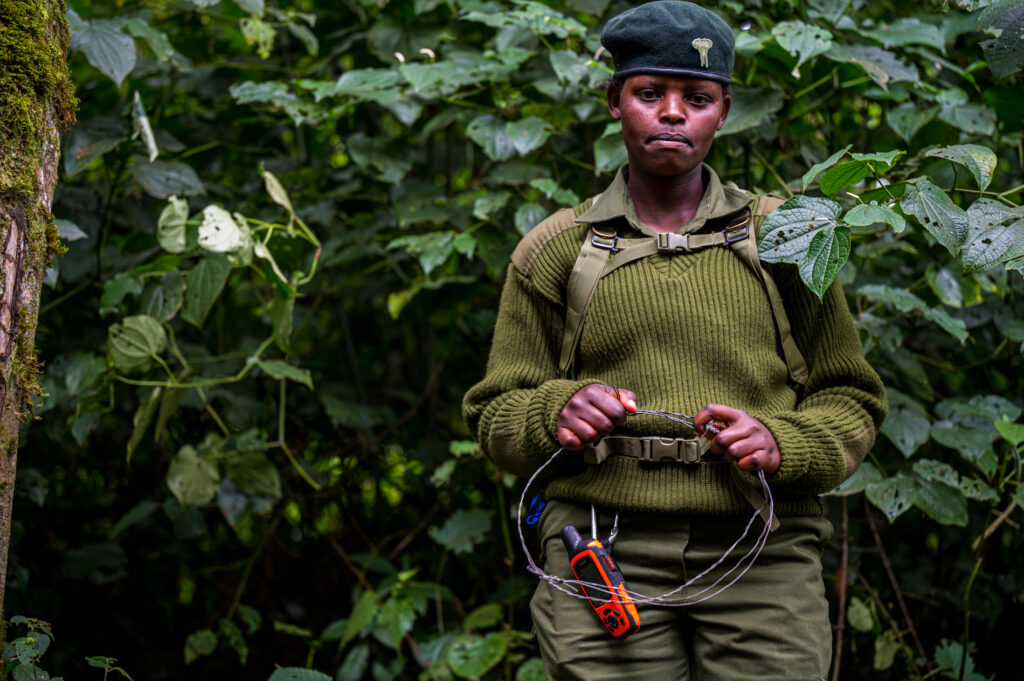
[287, 224]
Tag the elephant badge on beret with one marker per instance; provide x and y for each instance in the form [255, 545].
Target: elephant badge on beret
[703, 45]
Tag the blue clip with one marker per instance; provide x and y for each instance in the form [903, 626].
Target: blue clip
[536, 510]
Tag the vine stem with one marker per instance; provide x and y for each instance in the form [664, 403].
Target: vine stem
[994, 526]
[892, 580]
[965, 638]
[892, 622]
[281, 411]
[771, 169]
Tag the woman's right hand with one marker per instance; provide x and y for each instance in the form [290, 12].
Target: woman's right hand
[592, 413]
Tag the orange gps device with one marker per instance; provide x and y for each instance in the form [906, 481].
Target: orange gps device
[592, 563]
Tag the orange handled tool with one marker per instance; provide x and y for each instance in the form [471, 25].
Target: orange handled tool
[592, 562]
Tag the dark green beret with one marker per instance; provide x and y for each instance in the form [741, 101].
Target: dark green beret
[670, 37]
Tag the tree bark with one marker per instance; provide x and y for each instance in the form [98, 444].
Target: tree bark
[36, 107]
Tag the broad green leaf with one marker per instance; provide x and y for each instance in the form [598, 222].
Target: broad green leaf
[252, 6]
[842, 176]
[334, 631]
[973, 488]
[826, 254]
[199, 643]
[115, 289]
[907, 424]
[1004, 53]
[802, 41]
[947, 222]
[306, 36]
[298, 674]
[610, 153]
[550, 188]
[279, 369]
[893, 495]
[170, 227]
[156, 39]
[254, 473]
[141, 127]
[362, 616]
[531, 670]
[986, 408]
[431, 249]
[163, 180]
[950, 657]
[569, 66]
[162, 299]
[232, 637]
[205, 282]
[282, 314]
[945, 504]
[937, 471]
[749, 108]
[528, 216]
[879, 161]
[975, 119]
[865, 214]
[353, 667]
[865, 474]
[462, 530]
[907, 31]
[82, 371]
[485, 616]
[1011, 432]
[858, 614]
[106, 47]
[89, 140]
[258, 33]
[528, 134]
[886, 647]
[492, 136]
[787, 233]
[472, 656]
[397, 615]
[354, 415]
[995, 235]
[192, 478]
[134, 341]
[222, 232]
[909, 117]
[946, 286]
[882, 66]
[69, 231]
[971, 443]
[141, 420]
[250, 617]
[905, 301]
[818, 168]
[489, 204]
[956, 328]
[981, 161]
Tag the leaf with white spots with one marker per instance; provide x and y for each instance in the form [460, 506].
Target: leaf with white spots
[946, 221]
[981, 161]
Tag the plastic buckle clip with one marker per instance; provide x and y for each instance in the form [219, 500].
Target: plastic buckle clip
[679, 451]
[740, 237]
[670, 241]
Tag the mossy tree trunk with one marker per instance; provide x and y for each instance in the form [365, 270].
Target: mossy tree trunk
[36, 107]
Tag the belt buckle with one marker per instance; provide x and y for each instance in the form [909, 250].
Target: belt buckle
[660, 449]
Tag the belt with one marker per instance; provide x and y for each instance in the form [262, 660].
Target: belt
[679, 450]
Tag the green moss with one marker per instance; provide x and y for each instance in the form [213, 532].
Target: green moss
[33, 79]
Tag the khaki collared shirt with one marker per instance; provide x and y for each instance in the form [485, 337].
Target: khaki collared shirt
[719, 201]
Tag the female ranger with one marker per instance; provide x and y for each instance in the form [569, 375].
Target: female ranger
[676, 314]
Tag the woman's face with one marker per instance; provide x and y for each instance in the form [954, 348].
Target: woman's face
[668, 122]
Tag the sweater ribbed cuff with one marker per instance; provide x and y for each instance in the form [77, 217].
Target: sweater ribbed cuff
[811, 457]
[554, 395]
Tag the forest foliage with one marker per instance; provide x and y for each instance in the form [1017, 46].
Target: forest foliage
[286, 227]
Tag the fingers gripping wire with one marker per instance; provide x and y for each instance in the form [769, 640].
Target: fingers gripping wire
[673, 597]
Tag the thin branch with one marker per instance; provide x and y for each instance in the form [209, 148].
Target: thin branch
[888, 616]
[420, 526]
[994, 526]
[892, 580]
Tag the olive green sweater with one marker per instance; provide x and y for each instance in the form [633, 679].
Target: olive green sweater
[680, 330]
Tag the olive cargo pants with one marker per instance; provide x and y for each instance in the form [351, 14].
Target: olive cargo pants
[771, 625]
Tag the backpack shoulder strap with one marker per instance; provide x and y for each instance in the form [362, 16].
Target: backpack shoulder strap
[590, 263]
[747, 250]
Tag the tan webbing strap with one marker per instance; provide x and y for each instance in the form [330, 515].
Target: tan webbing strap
[676, 450]
[747, 250]
[742, 481]
[582, 284]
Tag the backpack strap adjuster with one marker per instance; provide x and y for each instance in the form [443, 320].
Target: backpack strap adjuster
[738, 233]
[606, 241]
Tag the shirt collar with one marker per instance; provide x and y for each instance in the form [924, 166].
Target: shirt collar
[615, 202]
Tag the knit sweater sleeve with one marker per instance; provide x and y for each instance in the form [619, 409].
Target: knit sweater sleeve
[826, 436]
[513, 411]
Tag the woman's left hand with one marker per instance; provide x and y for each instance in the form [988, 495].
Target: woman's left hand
[744, 439]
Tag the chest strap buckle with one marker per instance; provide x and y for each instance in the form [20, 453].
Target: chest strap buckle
[670, 241]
